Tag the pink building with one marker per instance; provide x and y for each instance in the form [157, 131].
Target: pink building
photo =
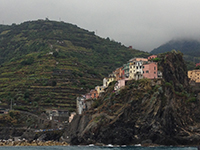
[152, 57]
[120, 84]
[198, 64]
[150, 70]
[87, 96]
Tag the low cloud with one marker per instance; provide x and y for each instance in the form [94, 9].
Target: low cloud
[143, 24]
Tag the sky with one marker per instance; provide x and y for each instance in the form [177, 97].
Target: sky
[142, 24]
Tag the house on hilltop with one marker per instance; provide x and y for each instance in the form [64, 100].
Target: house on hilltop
[135, 68]
[126, 70]
[152, 57]
[94, 94]
[107, 81]
[150, 70]
[119, 73]
[194, 75]
[99, 89]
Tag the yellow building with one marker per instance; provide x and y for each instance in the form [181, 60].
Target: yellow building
[107, 81]
[135, 68]
[194, 75]
[99, 89]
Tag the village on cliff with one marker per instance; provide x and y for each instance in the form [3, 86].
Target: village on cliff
[135, 68]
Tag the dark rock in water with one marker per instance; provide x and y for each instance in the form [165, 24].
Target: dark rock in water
[142, 112]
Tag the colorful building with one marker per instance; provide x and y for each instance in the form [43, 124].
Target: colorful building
[87, 96]
[119, 73]
[197, 64]
[126, 70]
[94, 94]
[150, 70]
[194, 75]
[99, 89]
[107, 81]
[120, 84]
[152, 57]
[135, 70]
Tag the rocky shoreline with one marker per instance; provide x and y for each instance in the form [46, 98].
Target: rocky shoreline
[31, 143]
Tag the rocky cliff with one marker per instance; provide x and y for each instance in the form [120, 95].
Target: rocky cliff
[145, 111]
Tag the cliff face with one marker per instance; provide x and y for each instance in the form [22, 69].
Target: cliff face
[146, 111]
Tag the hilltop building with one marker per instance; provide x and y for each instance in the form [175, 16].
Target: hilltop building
[94, 94]
[197, 64]
[152, 57]
[119, 73]
[135, 68]
[107, 81]
[194, 75]
[126, 70]
[150, 70]
[99, 89]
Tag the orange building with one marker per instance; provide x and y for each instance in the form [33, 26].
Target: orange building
[119, 73]
[150, 70]
[152, 57]
[94, 94]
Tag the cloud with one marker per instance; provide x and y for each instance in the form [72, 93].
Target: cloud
[144, 24]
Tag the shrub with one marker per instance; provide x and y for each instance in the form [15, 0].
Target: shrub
[192, 99]
[54, 83]
[168, 84]
[28, 61]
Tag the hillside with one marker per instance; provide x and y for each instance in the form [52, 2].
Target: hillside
[148, 112]
[46, 64]
[190, 49]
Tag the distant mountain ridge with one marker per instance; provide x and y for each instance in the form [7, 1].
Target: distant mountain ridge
[186, 46]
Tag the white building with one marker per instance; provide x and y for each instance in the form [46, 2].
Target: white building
[80, 101]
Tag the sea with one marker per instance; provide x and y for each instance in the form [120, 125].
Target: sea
[94, 148]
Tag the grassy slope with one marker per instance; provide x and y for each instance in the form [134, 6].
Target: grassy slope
[35, 79]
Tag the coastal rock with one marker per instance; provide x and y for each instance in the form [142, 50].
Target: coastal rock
[142, 112]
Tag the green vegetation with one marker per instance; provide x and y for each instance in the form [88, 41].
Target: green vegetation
[51, 63]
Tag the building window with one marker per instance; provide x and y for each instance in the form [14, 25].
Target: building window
[137, 67]
[154, 68]
[154, 72]
[140, 67]
[143, 66]
[143, 71]
[147, 71]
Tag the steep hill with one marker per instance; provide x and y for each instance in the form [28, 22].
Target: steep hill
[46, 64]
[146, 111]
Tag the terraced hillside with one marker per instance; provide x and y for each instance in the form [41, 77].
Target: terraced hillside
[46, 64]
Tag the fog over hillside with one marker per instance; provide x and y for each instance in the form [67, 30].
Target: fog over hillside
[143, 24]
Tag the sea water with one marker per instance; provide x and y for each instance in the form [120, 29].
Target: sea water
[94, 148]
